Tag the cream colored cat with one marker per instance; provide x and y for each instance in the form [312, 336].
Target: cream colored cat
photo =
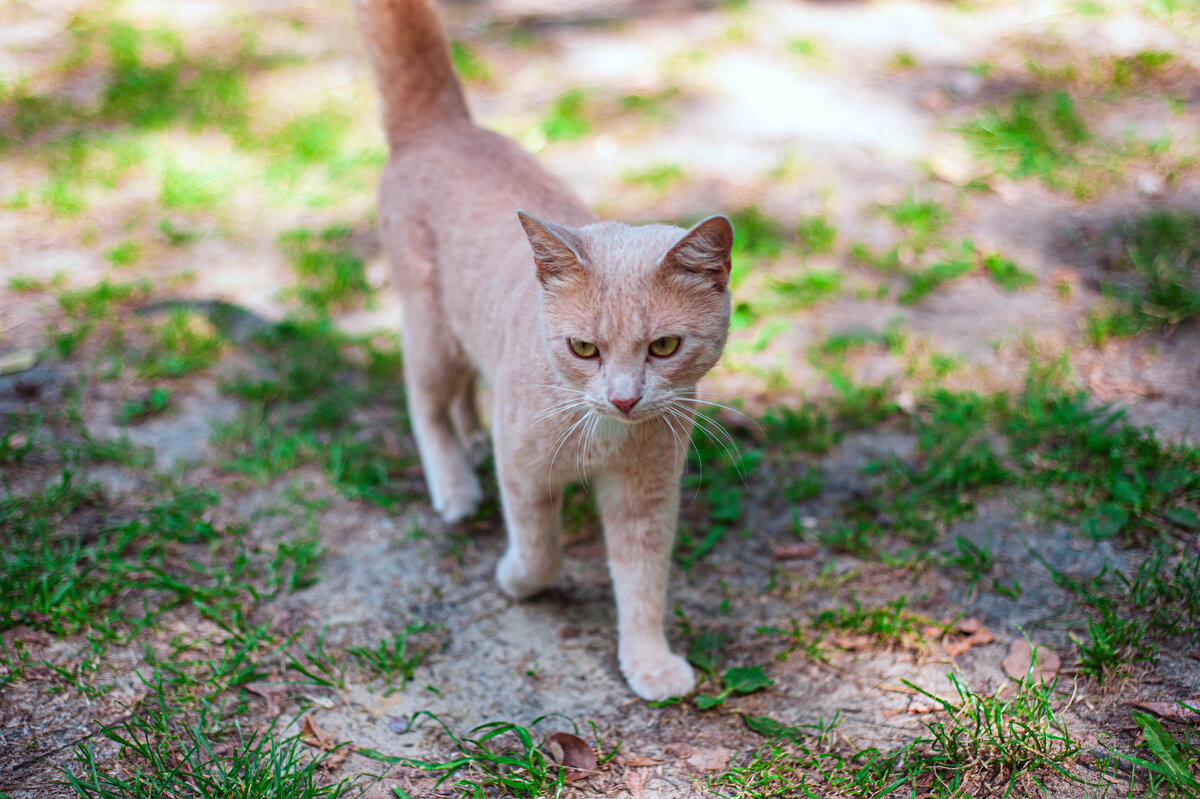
[592, 346]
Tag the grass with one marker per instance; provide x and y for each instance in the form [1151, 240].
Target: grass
[168, 755]
[1038, 135]
[568, 118]
[1154, 284]
[1129, 614]
[330, 273]
[391, 659]
[975, 744]
[497, 756]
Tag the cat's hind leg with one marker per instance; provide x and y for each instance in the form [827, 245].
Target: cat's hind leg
[464, 415]
[436, 375]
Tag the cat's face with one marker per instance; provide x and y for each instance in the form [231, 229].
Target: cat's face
[633, 316]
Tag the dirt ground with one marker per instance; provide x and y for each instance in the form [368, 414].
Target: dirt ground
[869, 114]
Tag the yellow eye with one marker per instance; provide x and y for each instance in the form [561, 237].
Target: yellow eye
[662, 347]
[584, 349]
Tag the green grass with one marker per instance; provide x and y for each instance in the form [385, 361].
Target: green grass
[185, 342]
[308, 400]
[815, 235]
[1090, 467]
[1129, 614]
[1170, 763]
[169, 754]
[569, 118]
[651, 107]
[953, 266]
[1154, 284]
[891, 624]
[976, 744]
[155, 402]
[1007, 274]
[1038, 135]
[502, 757]
[330, 274]
[391, 658]
[660, 177]
[469, 65]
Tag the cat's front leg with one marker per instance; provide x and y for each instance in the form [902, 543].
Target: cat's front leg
[639, 509]
[532, 511]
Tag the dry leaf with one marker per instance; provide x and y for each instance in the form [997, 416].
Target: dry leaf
[852, 642]
[312, 734]
[969, 625]
[1170, 711]
[1019, 662]
[335, 759]
[640, 762]
[635, 782]
[573, 754]
[981, 636]
[798, 551]
[710, 759]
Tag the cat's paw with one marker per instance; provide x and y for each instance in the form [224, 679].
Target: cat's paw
[659, 678]
[517, 580]
[456, 506]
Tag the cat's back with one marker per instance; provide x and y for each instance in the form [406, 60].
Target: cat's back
[448, 211]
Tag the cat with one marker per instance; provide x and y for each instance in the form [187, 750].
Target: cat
[592, 336]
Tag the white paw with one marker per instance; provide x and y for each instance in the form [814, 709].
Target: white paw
[458, 505]
[660, 677]
[515, 580]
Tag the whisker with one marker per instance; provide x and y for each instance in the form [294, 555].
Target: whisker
[742, 414]
[554, 410]
[725, 441]
[565, 437]
[685, 420]
[555, 388]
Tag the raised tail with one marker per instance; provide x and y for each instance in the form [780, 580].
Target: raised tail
[412, 66]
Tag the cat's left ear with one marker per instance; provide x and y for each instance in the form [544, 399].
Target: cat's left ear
[704, 252]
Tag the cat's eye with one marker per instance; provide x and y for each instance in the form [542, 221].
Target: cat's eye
[662, 347]
[584, 349]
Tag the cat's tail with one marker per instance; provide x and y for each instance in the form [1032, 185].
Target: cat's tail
[412, 66]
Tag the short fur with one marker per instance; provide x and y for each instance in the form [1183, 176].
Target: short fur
[477, 304]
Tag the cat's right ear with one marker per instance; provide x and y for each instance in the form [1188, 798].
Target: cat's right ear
[554, 251]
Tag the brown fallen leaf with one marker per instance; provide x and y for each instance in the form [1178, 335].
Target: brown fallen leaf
[969, 625]
[637, 761]
[573, 754]
[635, 782]
[1194, 654]
[714, 759]
[981, 636]
[1018, 663]
[335, 759]
[802, 550]
[852, 642]
[1170, 711]
[312, 734]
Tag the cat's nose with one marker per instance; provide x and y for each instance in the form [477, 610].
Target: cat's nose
[625, 405]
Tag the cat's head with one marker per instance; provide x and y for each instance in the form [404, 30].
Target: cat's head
[633, 316]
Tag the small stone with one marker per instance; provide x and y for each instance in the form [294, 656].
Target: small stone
[1149, 184]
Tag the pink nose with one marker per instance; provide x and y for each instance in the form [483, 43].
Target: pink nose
[626, 405]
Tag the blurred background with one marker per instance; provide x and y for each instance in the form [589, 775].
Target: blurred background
[979, 178]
